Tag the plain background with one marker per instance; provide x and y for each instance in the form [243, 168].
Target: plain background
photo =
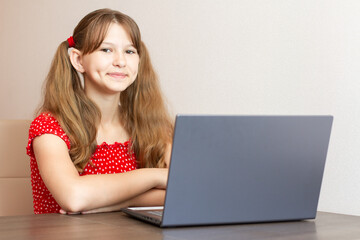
[217, 57]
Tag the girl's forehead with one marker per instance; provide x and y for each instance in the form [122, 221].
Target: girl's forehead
[117, 33]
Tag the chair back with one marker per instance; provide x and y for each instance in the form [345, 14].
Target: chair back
[15, 183]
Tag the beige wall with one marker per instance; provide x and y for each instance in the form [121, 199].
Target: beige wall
[232, 57]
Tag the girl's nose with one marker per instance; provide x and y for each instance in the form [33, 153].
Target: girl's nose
[120, 60]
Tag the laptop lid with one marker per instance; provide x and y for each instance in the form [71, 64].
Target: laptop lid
[243, 169]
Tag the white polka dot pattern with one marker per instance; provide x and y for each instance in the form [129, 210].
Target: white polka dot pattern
[107, 159]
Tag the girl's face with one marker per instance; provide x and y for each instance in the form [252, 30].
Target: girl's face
[113, 66]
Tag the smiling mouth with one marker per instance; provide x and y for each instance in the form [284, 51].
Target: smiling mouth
[117, 75]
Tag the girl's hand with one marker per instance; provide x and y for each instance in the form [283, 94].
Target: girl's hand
[62, 211]
[98, 210]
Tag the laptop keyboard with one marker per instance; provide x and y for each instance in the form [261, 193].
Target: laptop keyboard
[157, 213]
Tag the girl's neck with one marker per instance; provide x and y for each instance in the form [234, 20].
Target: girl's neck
[109, 108]
[110, 129]
[110, 116]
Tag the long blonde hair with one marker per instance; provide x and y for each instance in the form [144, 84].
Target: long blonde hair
[143, 111]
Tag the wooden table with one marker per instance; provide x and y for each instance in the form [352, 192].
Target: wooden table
[117, 225]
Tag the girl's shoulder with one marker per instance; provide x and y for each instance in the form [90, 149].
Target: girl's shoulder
[45, 123]
[44, 116]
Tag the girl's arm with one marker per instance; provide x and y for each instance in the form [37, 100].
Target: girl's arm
[153, 197]
[79, 194]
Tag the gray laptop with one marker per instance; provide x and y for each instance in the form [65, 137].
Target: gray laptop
[242, 169]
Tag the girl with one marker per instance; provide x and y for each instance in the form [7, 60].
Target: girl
[104, 145]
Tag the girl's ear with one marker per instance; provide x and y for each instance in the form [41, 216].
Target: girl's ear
[76, 60]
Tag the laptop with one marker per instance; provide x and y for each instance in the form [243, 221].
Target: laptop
[242, 169]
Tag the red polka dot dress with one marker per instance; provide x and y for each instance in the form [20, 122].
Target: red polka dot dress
[107, 159]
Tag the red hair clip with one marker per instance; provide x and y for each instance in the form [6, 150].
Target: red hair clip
[71, 42]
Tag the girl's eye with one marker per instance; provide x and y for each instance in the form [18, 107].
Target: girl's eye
[131, 51]
[107, 50]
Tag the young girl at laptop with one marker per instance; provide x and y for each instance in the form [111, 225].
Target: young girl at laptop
[102, 144]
